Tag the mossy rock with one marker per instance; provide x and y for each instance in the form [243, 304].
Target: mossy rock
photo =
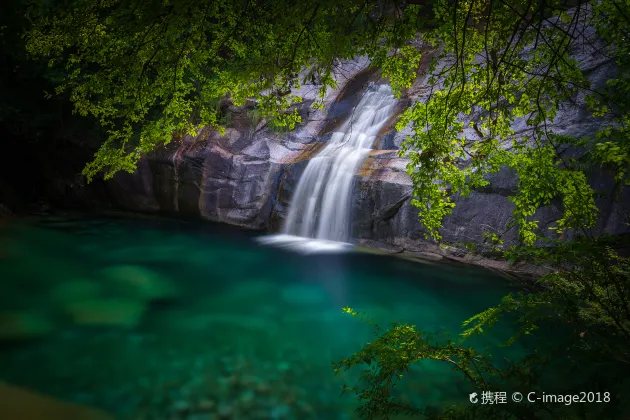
[125, 313]
[75, 291]
[20, 326]
[140, 283]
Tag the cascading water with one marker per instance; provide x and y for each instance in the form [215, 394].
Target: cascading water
[322, 203]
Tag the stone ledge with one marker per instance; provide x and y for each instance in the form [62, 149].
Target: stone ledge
[427, 252]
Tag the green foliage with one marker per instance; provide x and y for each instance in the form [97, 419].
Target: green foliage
[400, 67]
[149, 70]
[487, 78]
[590, 300]
[278, 126]
[255, 116]
[493, 77]
[278, 123]
[612, 21]
[389, 357]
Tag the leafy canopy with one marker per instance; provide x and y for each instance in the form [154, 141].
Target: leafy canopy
[150, 69]
[505, 62]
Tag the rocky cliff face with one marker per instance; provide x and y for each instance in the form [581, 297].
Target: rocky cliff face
[247, 177]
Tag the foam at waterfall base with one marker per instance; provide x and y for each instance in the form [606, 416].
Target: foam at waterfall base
[306, 245]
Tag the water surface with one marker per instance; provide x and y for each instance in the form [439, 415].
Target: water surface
[171, 319]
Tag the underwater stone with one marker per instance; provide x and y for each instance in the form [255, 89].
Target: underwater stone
[75, 290]
[141, 282]
[16, 326]
[112, 312]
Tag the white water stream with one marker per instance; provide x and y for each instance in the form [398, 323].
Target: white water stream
[322, 204]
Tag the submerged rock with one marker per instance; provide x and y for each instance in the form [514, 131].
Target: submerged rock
[75, 291]
[107, 312]
[18, 326]
[140, 283]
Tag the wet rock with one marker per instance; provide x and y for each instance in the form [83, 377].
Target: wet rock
[135, 191]
[18, 326]
[125, 313]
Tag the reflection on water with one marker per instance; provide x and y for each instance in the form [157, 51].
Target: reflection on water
[158, 318]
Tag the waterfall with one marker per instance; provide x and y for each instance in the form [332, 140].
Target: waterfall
[322, 203]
